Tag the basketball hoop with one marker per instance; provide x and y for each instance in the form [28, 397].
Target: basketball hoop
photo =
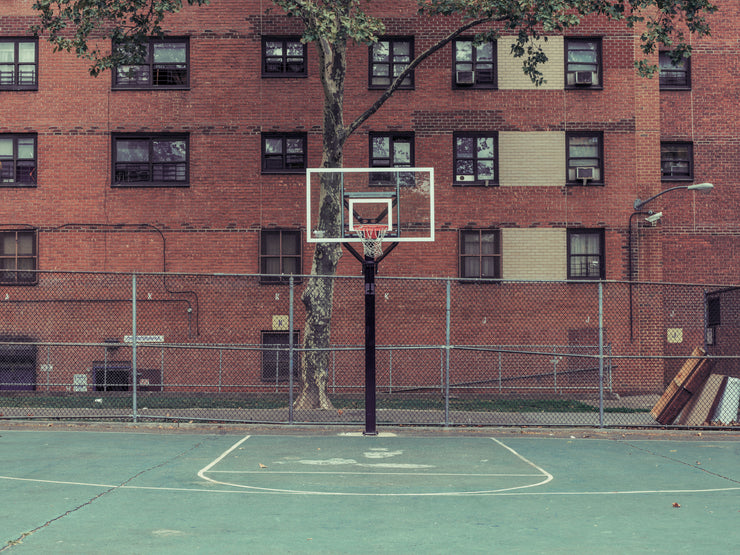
[371, 236]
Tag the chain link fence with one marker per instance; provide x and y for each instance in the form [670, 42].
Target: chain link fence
[230, 348]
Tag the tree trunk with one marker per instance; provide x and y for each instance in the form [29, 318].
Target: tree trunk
[318, 296]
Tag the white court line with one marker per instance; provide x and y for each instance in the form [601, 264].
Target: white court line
[242, 492]
[547, 477]
[301, 472]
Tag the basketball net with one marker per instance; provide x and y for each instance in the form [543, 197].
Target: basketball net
[371, 236]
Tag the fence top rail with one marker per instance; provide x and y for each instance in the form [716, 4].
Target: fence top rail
[465, 282]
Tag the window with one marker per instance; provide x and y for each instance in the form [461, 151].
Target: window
[480, 253]
[676, 161]
[18, 64]
[585, 158]
[165, 66]
[583, 63]
[156, 160]
[388, 58]
[674, 75]
[276, 356]
[391, 150]
[18, 160]
[475, 158]
[283, 152]
[18, 260]
[714, 311]
[283, 57]
[280, 255]
[586, 254]
[474, 66]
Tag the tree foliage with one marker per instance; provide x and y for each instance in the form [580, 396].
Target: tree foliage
[74, 25]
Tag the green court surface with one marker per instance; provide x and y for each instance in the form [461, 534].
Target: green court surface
[128, 490]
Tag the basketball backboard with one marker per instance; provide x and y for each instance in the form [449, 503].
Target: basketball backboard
[400, 198]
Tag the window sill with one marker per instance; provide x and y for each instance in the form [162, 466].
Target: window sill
[480, 184]
[150, 185]
[153, 88]
[284, 172]
[456, 87]
[284, 75]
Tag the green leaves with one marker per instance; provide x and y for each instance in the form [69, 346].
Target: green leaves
[74, 25]
[77, 25]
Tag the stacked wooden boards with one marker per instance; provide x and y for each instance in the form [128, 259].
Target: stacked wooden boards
[689, 380]
[695, 397]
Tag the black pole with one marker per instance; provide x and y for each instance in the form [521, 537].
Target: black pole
[368, 267]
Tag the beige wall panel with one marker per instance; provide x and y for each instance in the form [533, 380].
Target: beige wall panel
[531, 158]
[538, 254]
[511, 76]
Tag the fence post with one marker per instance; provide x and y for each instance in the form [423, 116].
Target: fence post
[601, 355]
[447, 354]
[291, 350]
[133, 346]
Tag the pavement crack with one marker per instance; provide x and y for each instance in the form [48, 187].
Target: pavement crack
[24, 535]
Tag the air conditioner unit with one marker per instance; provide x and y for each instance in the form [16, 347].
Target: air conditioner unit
[584, 77]
[465, 178]
[465, 77]
[584, 173]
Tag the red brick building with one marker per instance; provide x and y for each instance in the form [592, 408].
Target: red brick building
[195, 161]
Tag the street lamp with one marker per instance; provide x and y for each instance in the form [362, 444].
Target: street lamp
[696, 187]
[637, 206]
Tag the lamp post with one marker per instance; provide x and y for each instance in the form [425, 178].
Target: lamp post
[696, 187]
[638, 204]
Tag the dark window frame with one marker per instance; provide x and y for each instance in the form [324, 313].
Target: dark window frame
[15, 162]
[151, 163]
[476, 181]
[20, 276]
[599, 63]
[380, 162]
[592, 182]
[284, 58]
[392, 40]
[268, 159]
[280, 359]
[496, 256]
[666, 67]
[150, 67]
[281, 256]
[479, 83]
[601, 255]
[16, 85]
[664, 176]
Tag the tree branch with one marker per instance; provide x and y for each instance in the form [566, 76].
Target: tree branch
[352, 127]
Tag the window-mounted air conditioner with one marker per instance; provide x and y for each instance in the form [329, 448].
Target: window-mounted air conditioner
[465, 178]
[584, 78]
[465, 77]
[584, 174]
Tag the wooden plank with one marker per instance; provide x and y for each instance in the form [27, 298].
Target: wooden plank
[698, 376]
[675, 397]
[703, 403]
[689, 366]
